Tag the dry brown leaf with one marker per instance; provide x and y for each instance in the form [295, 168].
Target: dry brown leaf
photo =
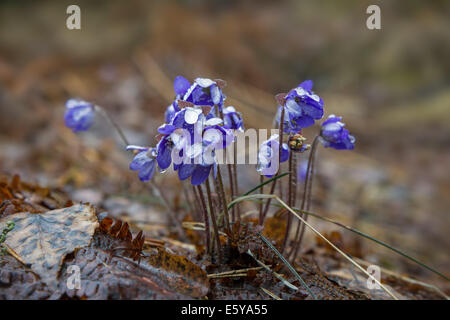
[43, 240]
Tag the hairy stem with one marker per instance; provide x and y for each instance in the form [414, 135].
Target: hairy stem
[272, 189]
[306, 197]
[236, 185]
[114, 124]
[290, 187]
[205, 218]
[213, 220]
[261, 191]
[224, 200]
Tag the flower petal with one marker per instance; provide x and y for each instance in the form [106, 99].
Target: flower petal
[191, 115]
[307, 85]
[181, 85]
[164, 157]
[139, 160]
[185, 170]
[146, 173]
[200, 174]
[166, 128]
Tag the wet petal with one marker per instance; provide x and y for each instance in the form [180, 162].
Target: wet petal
[204, 82]
[215, 94]
[307, 85]
[164, 157]
[181, 85]
[200, 174]
[191, 115]
[166, 129]
[139, 160]
[146, 173]
[185, 170]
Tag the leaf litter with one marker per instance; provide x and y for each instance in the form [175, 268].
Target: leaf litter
[114, 264]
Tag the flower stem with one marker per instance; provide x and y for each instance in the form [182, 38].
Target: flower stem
[230, 178]
[113, 123]
[205, 218]
[236, 185]
[272, 189]
[224, 200]
[290, 195]
[213, 219]
[306, 198]
[261, 191]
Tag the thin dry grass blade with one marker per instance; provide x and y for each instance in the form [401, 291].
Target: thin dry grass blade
[270, 293]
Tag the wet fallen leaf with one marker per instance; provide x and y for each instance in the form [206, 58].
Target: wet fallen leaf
[43, 240]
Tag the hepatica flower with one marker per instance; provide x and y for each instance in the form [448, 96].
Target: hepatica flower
[190, 141]
[79, 115]
[144, 162]
[302, 107]
[171, 110]
[233, 119]
[199, 157]
[180, 86]
[205, 92]
[268, 156]
[334, 135]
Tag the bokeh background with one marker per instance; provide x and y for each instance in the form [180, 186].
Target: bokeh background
[392, 86]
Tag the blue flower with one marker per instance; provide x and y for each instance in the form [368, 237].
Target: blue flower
[192, 137]
[302, 107]
[205, 92]
[79, 115]
[233, 119]
[180, 85]
[334, 135]
[268, 151]
[199, 157]
[144, 162]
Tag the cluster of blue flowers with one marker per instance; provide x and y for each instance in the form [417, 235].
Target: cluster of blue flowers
[197, 124]
[302, 107]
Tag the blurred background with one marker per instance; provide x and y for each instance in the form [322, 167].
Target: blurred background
[392, 87]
